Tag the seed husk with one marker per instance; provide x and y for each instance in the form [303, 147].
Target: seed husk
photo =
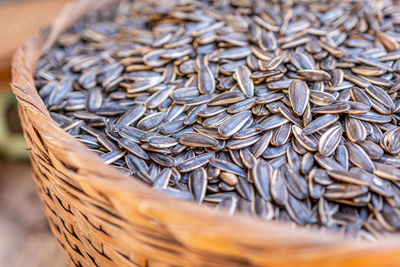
[197, 140]
[278, 188]
[226, 98]
[355, 130]
[380, 95]
[329, 141]
[349, 177]
[387, 172]
[244, 188]
[299, 95]
[272, 122]
[206, 82]
[261, 145]
[295, 183]
[162, 179]
[314, 75]
[133, 148]
[227, 166]
[229, 178]
[162, 141]
[196, 162]
[261, 177]
[320, 123]
[359, 157]
[198, 184]
[233, 124]
[242, 74]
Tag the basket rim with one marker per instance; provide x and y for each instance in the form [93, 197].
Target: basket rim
[121, 186]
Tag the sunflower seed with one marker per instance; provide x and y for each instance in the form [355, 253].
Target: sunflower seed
[299, 95]
[162, 179]
[227, 166]
[198, 184]
[234, 123]
[355, 130]
[359, 157]
[246, 85]
[314, 75]
[197, 140]
[196, 162]
[329, 141]
[320, 123]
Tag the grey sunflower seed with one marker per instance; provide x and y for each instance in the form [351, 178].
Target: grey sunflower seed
[262, 176]
[355, 130]
[242, 143]
[227, 167]
[387, 172]
[228, 204]
[333, 108]
[272, 122]
[248, 159]
[162, 179]
[344, 191]
[380, 95]
[163, 160]
[349, 177]
[197, 140]
[298, 210]
[151, 122]
[133, 148]
[196, 162]
[245, 83]
[206, 82]
[299, 95]
[261, 145]
[373, 150]
[342, 156]
[244, 188]
[295, 183]
[359, 157]
[226, 98]
[314, 75]
[131, 116]
[329, 141]
[309, 142]
[198, 184]
[234, 123]
[320, 123]
[162, 141]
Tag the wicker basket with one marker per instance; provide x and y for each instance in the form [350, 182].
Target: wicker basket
[103, 218]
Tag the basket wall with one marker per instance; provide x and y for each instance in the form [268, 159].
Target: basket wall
[103, 218]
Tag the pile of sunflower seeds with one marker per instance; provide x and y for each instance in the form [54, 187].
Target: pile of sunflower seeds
[286, 112]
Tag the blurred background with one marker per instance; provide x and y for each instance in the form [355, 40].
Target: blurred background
[25, 238]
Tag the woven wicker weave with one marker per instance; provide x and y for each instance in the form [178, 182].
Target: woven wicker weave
[104, 218]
